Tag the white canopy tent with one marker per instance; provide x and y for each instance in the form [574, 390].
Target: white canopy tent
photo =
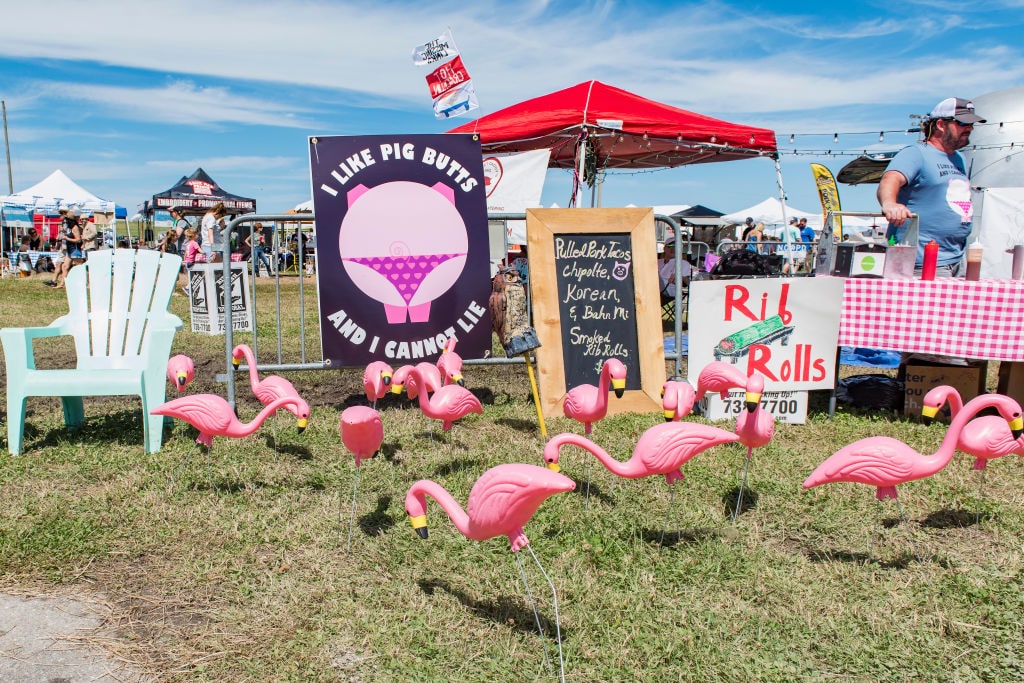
[58, 191]
[775, 217]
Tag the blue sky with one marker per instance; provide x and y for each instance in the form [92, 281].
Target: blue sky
[126, 98]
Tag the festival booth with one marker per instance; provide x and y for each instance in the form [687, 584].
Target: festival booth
[593, 128]
[194, 195]
[39, 206]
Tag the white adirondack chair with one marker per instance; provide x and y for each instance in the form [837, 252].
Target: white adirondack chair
[122, 331]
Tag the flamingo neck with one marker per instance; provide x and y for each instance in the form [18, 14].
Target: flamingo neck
[956, 403]
[268, 410]
[617, 468]
[250, 360]
[948, 446]
[451, 506]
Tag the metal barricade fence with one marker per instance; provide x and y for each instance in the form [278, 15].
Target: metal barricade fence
[662, 223]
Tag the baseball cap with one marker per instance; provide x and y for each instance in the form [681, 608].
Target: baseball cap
[792, 220]
[956, 108]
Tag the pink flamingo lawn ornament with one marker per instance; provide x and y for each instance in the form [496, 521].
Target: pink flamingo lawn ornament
[588, 404]
[884, 462]
[662, 449]
[720, 377]
[272, 387]
[755, 427]
[180, 371]
[377, 380]
[430, 375]
[501, 502]
[986, 437]
[213, 416]
[450, 364]
[677, 399]
[362, 432]
[448, 404]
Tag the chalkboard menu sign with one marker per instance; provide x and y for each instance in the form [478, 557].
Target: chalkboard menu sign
[595, 293]
[597, 309]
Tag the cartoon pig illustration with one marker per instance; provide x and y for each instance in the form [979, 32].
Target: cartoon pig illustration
[403, 244]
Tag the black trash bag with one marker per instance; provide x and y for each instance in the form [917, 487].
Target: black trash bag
[877, 392]
[746, 263]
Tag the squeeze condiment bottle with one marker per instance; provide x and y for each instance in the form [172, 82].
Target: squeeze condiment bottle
[931, 259]
[973, 261]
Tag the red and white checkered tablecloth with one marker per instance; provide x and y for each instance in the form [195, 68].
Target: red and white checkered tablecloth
[946, 316]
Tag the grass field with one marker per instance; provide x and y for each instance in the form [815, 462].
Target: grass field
[251, 580]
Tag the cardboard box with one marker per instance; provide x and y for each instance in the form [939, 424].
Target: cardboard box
[1011, 380]
[921, 378]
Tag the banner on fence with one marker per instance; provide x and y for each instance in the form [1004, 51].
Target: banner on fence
[208, 296]
[402, 247]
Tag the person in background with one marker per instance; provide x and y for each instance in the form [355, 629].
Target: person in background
[753, 235]
[179, 227]
[667, 269]
[90, 236]
[807, 233]
[35, 240]
[929, 179]
[72, 246]
[254, 241]
[212, 231]
[169, 243]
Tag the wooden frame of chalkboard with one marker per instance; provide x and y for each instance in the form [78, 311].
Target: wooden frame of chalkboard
[595, 292]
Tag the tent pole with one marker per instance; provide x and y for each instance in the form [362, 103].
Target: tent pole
[581, 158]
[787, 238]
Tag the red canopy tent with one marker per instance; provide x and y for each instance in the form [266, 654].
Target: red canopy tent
[621, 129]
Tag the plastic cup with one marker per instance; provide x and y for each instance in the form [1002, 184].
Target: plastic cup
[1017, 268]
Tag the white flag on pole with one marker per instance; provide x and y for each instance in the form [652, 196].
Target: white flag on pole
[440, 49]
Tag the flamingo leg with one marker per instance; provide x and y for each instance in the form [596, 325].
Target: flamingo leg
[743, 482]
[590, 463]
[209, 468]
[352, 518]
[533, 605]
[910, 533]
[181, 465]
[981, 485]
[554, 602]
[671, 504]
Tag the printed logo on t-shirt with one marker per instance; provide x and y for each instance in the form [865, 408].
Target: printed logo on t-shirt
[958, 196]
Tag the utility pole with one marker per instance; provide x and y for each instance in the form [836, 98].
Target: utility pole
[7, 146]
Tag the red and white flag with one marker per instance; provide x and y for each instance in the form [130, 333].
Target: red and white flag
[450, 85]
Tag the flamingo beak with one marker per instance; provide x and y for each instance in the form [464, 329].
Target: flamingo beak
[182, 379]
[396, 389]
[553, 466]
[236, 361]
[1017, 427]
[929, 413]
[419, 525]
[386, 378]
[459, 380]
[619, 387]
[669, 415]
[301, 424]
[753, 400]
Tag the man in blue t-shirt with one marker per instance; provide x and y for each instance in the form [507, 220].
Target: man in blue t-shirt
[928, 179]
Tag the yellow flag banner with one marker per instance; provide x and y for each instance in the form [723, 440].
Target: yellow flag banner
[829, 195]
